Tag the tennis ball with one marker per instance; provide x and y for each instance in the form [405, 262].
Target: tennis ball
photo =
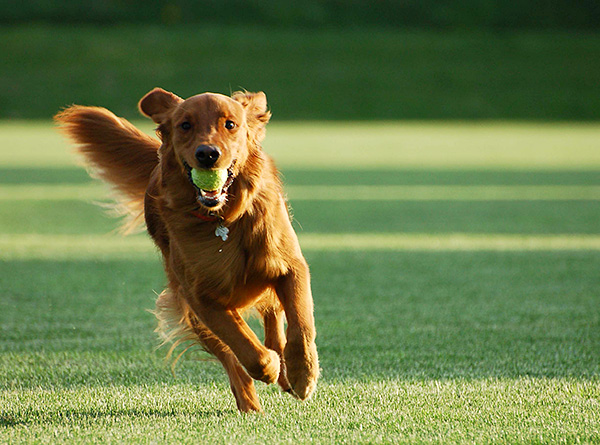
[209, 180]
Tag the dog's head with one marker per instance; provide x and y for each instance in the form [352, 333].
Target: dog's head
[209, 132]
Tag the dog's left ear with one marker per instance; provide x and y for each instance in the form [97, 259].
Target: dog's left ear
[158, 103]
[257, 114]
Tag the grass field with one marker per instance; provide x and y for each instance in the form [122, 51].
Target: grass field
[307, 74]
[455, 276]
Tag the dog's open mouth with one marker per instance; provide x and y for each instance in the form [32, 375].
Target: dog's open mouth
[212, 198]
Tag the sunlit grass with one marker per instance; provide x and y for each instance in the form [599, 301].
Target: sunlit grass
[436, 145]
[454, 271]
[383, 411]
[368, 145]
[47, 247]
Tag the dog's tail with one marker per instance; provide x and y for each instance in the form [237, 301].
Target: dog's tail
[115, 151]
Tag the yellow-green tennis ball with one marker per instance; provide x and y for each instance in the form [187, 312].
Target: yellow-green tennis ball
[209, 180]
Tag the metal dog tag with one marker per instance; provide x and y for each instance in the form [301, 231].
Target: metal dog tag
[222, 231]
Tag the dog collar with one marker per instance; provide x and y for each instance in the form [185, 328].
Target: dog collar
[221, 231]
[207, 218]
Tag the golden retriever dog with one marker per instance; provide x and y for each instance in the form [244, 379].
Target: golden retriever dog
[225, 250]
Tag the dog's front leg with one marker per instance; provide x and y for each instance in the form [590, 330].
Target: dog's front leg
[260, 363]
[301, 360]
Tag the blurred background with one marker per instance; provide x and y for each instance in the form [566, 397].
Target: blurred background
[316, 60]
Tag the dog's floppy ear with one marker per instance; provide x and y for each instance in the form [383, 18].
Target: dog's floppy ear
[257, 114]
[158, 103]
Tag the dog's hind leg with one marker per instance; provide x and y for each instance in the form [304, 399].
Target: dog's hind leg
[176, 322]
[273, 320]
[241, 383]
[301, 358]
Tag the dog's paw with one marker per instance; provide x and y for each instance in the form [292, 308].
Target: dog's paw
[267, 369]
[247, 404]
[302, 365]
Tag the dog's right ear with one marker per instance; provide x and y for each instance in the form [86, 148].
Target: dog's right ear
[158, 103]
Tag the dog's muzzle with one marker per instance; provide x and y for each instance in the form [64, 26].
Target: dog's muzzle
[212, 198]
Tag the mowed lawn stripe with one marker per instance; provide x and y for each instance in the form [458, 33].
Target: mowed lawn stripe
[338, 175]
[448, 242]
[443, 193]
[40, 246]
[95, 191]
[364, 145]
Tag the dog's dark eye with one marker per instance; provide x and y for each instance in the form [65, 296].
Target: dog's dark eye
[230, 125]
[185, 126]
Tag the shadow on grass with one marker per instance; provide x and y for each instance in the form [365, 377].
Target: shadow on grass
[39, 175]
[437, 315]
[399, 176]
[45, 416]
[383, 176]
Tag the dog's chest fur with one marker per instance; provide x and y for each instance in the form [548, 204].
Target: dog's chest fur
[233, 272]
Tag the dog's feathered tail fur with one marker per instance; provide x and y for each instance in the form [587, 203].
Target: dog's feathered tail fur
[115, 151]
[177, 325]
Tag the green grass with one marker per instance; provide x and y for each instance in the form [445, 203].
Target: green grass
[461, 305]
[307, 74]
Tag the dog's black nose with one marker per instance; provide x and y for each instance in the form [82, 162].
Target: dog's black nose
[207, 155]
